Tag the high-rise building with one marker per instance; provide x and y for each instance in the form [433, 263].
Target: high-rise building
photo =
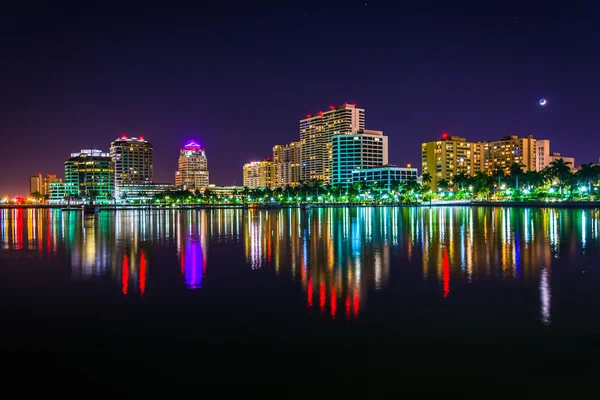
[352, 152]
[41, 184]
[511, 149]
[316, 133]
[89, 175]
[133, 161]
[445, 158]
[192, 171]
[258, 174]
[287, 164]
[542, 157]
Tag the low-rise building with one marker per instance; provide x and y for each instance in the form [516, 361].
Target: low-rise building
[388, 175]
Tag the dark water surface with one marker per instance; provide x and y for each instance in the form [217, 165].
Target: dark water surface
[505, 296]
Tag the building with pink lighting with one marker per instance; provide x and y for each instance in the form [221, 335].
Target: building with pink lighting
[192, 168]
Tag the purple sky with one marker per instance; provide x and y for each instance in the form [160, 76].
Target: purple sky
[237, 80]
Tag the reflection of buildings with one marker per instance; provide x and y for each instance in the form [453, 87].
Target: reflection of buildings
[192, 245]
[339, 256]
[336, 255]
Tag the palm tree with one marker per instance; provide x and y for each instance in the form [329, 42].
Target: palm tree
[460, 180]
[533, 179]
[426, 178]
[443, 184]
[482, 183]
[516, 171]
[587, 175]
[560, 170]
[498, 175]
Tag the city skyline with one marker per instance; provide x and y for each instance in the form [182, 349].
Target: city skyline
[476, 73]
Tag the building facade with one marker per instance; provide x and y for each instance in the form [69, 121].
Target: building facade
[558, 156]
[223, 192]
[192, 170]
[511, 149]
[388, 175]
[133, 159]
[41, 184]
[258, 174]
[142, 193]
[542, 157]
[89, 176]
[352, 152]
[316, 133]
[287, 164]
[445, 158]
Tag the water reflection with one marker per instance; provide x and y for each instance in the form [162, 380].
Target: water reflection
[340, 256]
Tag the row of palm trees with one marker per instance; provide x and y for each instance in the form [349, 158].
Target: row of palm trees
[556, 180]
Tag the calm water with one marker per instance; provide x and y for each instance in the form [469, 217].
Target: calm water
[338, 286]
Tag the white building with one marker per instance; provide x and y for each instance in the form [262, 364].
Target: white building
[133, 160]
[316, 133]
[352, 152]
[192, 171]
[545, 156]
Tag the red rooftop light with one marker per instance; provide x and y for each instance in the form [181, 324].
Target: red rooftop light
[444, 135]
[332, 107]
[141, 138]
[320, 112]
[308, 115]
[124, 137]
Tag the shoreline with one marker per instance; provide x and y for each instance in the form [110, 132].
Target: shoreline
[457, 203]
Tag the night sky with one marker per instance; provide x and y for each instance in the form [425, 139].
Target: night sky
[239, 77]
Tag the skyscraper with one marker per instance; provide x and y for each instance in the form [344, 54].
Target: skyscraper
[287, 164]
[352, 152]
[192, 171]
[133, 161]
[316, 133]
[258, 174]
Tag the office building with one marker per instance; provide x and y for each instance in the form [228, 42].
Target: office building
[133, 161]
[89, 176]
[388, 175]
[351, 152]
[258, 174]
[287, 164]
[316, 133]
[449, 156]
[41, 184]
[192, 171]
[511, 149]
